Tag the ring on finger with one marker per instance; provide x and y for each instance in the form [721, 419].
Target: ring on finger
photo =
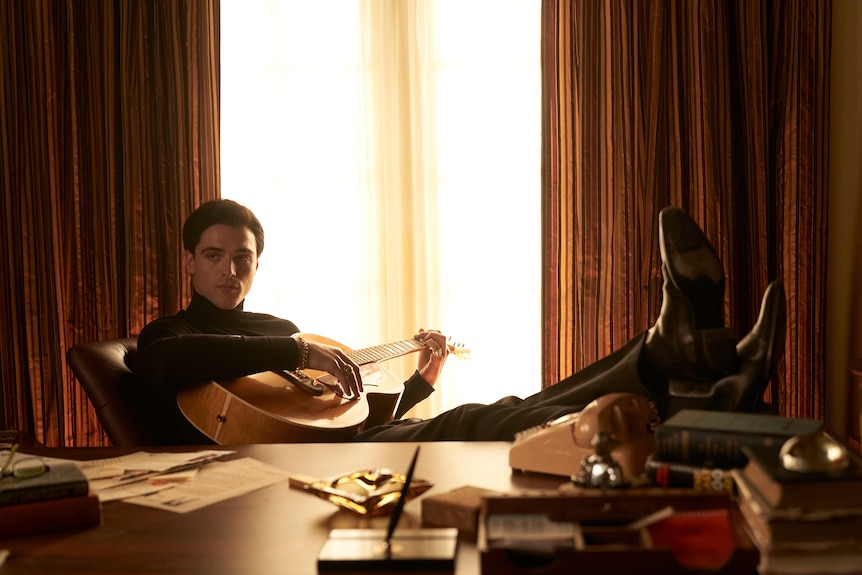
[347, 369]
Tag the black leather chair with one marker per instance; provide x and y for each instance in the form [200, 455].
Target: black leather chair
[106, 371]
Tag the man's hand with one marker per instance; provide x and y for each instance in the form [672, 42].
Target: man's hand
[432, 358]
[333, 360]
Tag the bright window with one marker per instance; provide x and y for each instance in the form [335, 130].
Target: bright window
[393, 200]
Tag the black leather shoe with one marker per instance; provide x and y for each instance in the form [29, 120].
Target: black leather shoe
[759, 355]
[689, 340]
[759, 352]
[693, 267]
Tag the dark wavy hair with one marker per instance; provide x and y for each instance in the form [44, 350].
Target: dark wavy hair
[227, 212]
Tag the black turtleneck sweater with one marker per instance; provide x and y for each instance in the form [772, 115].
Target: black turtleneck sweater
[203, 343]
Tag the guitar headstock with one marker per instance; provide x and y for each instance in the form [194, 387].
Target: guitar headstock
[458, 349]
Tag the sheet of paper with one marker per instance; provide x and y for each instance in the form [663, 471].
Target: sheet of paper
[117, 472]
[174, 477]
[131, 490]
[216, 481]
[144, 461]
[138, 461]
[153, 483]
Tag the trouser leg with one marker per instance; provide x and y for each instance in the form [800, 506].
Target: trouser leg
[500, 421]
[618, 372]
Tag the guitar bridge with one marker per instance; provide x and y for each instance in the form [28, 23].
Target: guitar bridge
[307, 384]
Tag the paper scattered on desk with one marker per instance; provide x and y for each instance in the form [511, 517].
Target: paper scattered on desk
[512, 529]
[144, 461]
[130, 490]
[138, 473]
[175, 481]
[215, 482]
[173, 476]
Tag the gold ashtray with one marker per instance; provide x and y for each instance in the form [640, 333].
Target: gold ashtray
[370, 492]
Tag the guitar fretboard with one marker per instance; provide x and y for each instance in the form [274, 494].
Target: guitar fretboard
[386, 351]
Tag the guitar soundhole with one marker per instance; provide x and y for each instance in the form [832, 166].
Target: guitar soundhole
[221, 418]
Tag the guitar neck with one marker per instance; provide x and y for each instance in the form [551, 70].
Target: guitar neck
[386, 351]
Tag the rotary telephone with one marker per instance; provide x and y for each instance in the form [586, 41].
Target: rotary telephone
[560, 446]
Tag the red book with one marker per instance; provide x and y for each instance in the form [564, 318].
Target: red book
[49, 515]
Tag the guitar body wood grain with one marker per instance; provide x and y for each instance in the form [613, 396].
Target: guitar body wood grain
[267, 408]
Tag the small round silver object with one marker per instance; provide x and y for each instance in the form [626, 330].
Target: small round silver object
[814, 453]
[600, 469]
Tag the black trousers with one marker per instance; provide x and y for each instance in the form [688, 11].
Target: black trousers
[500, 421]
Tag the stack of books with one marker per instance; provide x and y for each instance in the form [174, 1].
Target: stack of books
[801, 522]
[53, 499]
[698, 448]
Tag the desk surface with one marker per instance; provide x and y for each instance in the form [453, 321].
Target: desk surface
[273, 530]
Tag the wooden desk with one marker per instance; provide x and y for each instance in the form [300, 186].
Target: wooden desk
[275, 530]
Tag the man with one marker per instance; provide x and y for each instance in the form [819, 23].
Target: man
[688, 358]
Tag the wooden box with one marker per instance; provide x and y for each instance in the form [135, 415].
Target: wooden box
[603, 530]
[458, 508]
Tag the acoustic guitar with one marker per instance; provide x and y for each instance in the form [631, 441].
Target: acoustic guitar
[299, 406]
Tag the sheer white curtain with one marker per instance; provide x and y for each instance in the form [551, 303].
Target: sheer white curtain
[391, 149]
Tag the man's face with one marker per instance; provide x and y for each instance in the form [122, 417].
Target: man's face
[223, 265]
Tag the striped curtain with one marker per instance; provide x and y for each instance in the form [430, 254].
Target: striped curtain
[109, 138]
[719, 107]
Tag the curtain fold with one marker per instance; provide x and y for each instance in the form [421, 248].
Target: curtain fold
[399, 175]
[720, 108]
[110, 137]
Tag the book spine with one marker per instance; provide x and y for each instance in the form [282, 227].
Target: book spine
[672, 474]
[49, 516]
[708, 448]
[44, 492]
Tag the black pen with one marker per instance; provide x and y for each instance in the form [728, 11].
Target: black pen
[399, 505]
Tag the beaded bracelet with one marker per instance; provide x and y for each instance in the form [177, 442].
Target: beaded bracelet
[303, 353]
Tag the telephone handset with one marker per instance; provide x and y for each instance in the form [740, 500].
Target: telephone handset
[559, 446]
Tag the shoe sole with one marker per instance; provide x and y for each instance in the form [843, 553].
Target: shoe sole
[693, 266]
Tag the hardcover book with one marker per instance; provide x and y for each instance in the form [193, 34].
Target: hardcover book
[783, 488]
[799, 530]
[50, 516]
[59, 480]
[715, 438]
[838, 562]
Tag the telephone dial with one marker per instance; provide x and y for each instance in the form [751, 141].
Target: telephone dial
[622, 423]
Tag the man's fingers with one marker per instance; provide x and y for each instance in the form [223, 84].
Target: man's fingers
[435, 341]
[334, 361]
[349, 376]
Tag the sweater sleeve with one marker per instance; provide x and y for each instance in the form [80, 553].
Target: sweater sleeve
[415, 390]
[173, 357]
